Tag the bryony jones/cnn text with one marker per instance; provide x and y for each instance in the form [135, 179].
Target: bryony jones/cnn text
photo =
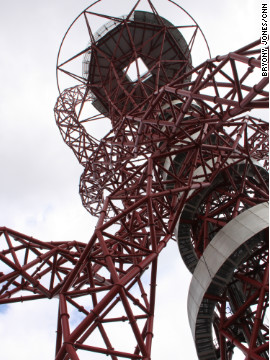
[264, 39]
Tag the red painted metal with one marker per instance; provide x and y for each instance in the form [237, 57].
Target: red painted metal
[240, 323]
[171, 140]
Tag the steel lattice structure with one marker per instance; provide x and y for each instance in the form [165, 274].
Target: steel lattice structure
[184, 159]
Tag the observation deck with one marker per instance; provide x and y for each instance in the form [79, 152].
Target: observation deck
[133, 57]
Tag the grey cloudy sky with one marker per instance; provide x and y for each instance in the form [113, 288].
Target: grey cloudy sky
[40, 175]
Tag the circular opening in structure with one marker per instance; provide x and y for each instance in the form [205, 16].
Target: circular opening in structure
[100, 18]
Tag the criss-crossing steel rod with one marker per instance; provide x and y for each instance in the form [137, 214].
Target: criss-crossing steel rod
[185, 160]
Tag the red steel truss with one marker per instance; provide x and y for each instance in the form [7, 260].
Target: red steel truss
[182, 160]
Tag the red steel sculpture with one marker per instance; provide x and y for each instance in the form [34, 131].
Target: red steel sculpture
[184, 159]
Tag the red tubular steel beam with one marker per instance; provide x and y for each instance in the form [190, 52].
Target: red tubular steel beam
[176, 163]
[108, 352]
